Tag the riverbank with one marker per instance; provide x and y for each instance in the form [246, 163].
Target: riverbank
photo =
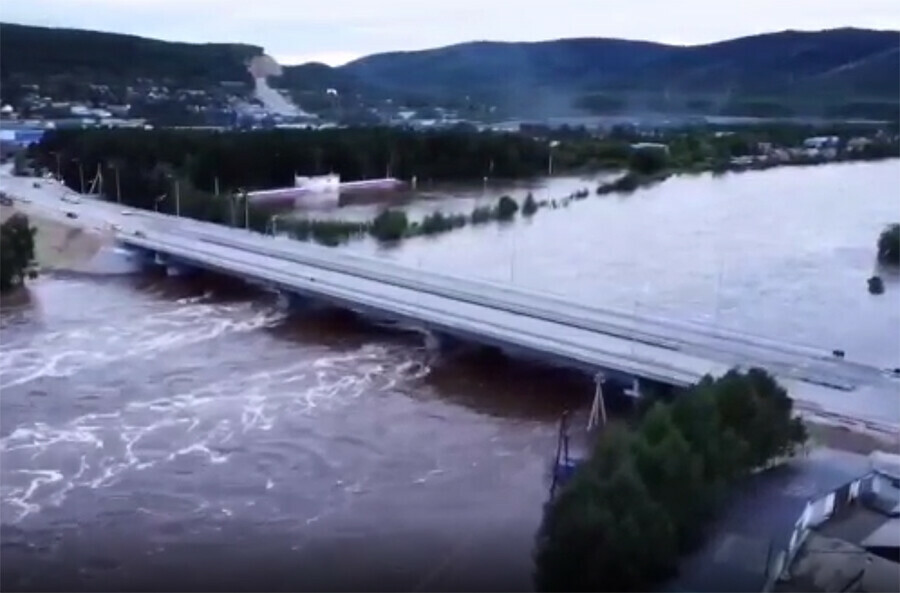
[59, 245]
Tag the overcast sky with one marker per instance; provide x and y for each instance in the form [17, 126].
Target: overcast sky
[296, 31]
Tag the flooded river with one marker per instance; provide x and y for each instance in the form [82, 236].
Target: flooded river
[169, 433]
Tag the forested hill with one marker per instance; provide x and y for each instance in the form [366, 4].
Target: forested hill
[779, 72]
[54, 58]
[843, 72]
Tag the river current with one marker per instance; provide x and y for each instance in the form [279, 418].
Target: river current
[172, 433]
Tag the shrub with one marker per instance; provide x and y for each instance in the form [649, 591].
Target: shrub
[506, 208]
[16, 251]
[876, 285]
[389, 225]
[648, 161]
[529, 207]
[889, 245]
[438, 222]
[481, 215]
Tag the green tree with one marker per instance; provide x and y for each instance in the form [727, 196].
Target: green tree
[672, 472]
[759, 412]
[506, 208]
[16, 251]
[648, 161]
[723, 454]
[481, 215]
[889, 245]
[529, 207]
[595, 536]
[390, 225]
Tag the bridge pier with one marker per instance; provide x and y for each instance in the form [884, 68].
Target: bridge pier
[293, 301]
[441, 342]
[178, 270]
[143, 258]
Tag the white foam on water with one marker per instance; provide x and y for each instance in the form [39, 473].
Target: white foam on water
[64, 353]
[195, 427]
[204, 424]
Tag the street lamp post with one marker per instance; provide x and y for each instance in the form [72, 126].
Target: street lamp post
[80, 174]
[553, 144]
[118, 184]
[246, 211]
[58, 167]
[177, 199]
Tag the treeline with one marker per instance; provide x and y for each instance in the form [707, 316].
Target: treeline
[16, 251]
[645, 495]
[393, 225]
[148, 160]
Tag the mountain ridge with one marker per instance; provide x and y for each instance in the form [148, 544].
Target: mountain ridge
[836, 71]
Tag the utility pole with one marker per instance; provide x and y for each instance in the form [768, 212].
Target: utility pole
[553, 144]
[80, 175]
[246, 211]
[118, 185]
[58, 167]
[216, 184]
[177, 199]
[512, 260]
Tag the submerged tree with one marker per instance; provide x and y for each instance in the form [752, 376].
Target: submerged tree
[16, 251]
[889, 245]
[389, 225]
[649, 160]
[506, 208]
[530, 206]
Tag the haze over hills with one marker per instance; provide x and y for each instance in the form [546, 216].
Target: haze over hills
[841, 73]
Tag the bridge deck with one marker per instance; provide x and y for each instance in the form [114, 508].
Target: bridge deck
[601, 338]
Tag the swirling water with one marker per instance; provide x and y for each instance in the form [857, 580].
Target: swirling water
[174, 433]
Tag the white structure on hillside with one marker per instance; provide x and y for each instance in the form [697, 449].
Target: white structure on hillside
[261, 67]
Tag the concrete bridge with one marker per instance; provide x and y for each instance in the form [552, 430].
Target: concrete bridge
[611, 344]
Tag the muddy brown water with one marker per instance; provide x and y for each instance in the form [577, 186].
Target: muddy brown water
[170, 433]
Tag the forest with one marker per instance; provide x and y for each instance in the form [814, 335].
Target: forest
[148, 162]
